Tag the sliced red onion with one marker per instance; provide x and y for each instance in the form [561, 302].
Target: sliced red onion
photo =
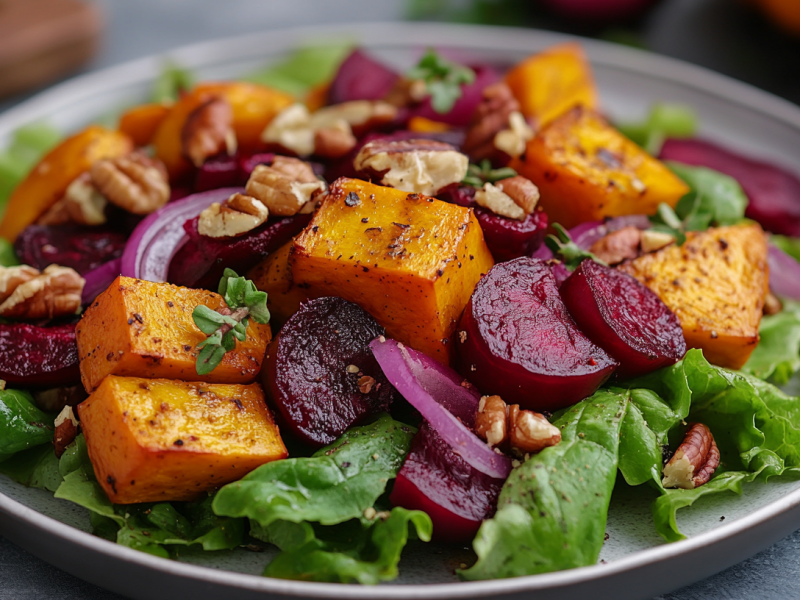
[586, 234]
[156, 239]
[97, 280]
[784, 273]
[438, 394]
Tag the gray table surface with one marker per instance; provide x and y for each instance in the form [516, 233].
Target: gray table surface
[714, 33]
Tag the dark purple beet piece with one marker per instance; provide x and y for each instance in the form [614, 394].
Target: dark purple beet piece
[774, 192]
[39, 357]
[308, 375]
[201, 260]
[360, 77]
[521, 343]
[248, 163]
[75, 246]
[623, 317]
[218, 172]
[436, 480]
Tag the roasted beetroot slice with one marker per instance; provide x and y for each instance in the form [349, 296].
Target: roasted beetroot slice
[218, 172]
[436, 480]
[623, 317]
[39, 357]
[202, 260]
[360, 77]
[80, 248]
[308, 375]
[520, 343]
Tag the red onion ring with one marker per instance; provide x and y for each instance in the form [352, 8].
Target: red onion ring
[436, 392]
[158, 237]
[784, 273]
[97, 280]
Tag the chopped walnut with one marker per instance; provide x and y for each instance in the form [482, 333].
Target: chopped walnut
[236, 216]
[53, 293]
[508, 427]
[695, 460]
[514, 140]
[208, 131]
[406, 91]
[291, 129]
[136, 183]
[496, 200]
[491, 117]
[618, 246]
[66, 430]
[81, 204]
[333, 142]
[655, 240]
[13, 277]
[286, 187]
[415, 166]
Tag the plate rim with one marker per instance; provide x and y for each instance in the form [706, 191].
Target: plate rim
[514, 39]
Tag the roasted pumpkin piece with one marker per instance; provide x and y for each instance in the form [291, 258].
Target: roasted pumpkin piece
[409, 260]
[154, 440]
[253, 107]
[141, 122]
[49, 180]
[549, 83]
[145, 329]
[274, 276]
[586, 170]
[716, 284]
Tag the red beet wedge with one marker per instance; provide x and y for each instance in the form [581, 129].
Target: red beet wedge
[624, 318]
[39, 357]
[517, 340]
[321, 375]
[436, 480]
[75, 246]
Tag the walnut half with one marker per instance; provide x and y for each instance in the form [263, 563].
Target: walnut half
[521, 431]
[236, 216]
[54, 292]
[286, 187]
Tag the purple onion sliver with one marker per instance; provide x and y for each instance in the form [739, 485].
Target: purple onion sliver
[784, 273]
[97, 280]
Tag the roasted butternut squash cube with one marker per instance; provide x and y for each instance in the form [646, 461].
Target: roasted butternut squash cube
[48, 181]
[274, 276]
[586, 170]
[549, 83]
[144, 329]
[409, 260]
[141, 122]
[716, 284]
[155, 440]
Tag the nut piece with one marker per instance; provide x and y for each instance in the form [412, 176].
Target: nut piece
[493, 198]
[655, 240]
[66, 430]
[81, 204]
[236, 216]
[617, 246]
[772, 304]
[521, 431]
[13, 277]
[415, 166]
[333, 142]
[286, 186]
[490, 118]
[514, 140]
[208, 130]
[365, 384]
[53, 293]
[695, 460]
[136, 183]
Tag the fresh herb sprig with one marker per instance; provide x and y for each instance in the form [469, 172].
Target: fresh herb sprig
[227, 325]
[443, 79]
[477, 175]
[568, 251]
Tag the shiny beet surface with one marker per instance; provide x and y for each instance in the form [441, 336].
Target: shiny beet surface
[520, 343]
[360, 77]
[201, 260]
[307, 376]
[39, 357]
[624, 318]
[75, 246]
[436, 480]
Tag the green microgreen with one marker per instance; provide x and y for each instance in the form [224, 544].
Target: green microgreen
[244, 302]
[443, 79]
[568, 251]
[477, 175]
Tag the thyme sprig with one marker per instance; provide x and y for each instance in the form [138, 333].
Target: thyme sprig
[477, 175]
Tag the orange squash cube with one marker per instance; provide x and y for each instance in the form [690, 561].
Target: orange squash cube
[141, 122]
[411, 261]
[47, 183]
[274, 276]
[549, 83]
[145, 329]
[586, 170]
[716, 284]
[154, 440]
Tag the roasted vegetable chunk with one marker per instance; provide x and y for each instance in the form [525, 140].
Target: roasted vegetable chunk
[586, 170]
[274, 276]
[409, 260]
[144, 329]
[715, 283]
[48, 181]
[141, 122]
[548, 84]
[153, 440]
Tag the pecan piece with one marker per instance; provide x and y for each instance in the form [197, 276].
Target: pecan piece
[54, 292]
[236, 216]
[515, 197]
[208, 130]
[618, 245]
[490, 117]
[695, 460]
[521, 431]
[333, 142]
[66, 430]
[136, 183]
[286, 187]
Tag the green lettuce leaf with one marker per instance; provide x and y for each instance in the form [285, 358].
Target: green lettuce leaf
[664, 120]
[303, 69]
[552, 509]
[22, 424]
[336, 484]
[714, 198]
[28, 144]
[37, 468]
[790, 245]
[171, 82]
[777, 356]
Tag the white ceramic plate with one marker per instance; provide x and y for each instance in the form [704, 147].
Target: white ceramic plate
[634, 562]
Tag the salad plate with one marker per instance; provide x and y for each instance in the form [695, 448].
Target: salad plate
[635, 563]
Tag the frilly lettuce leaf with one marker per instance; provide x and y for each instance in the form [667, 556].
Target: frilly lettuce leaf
[777, 356]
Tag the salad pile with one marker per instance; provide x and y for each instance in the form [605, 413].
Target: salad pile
[334, 307]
